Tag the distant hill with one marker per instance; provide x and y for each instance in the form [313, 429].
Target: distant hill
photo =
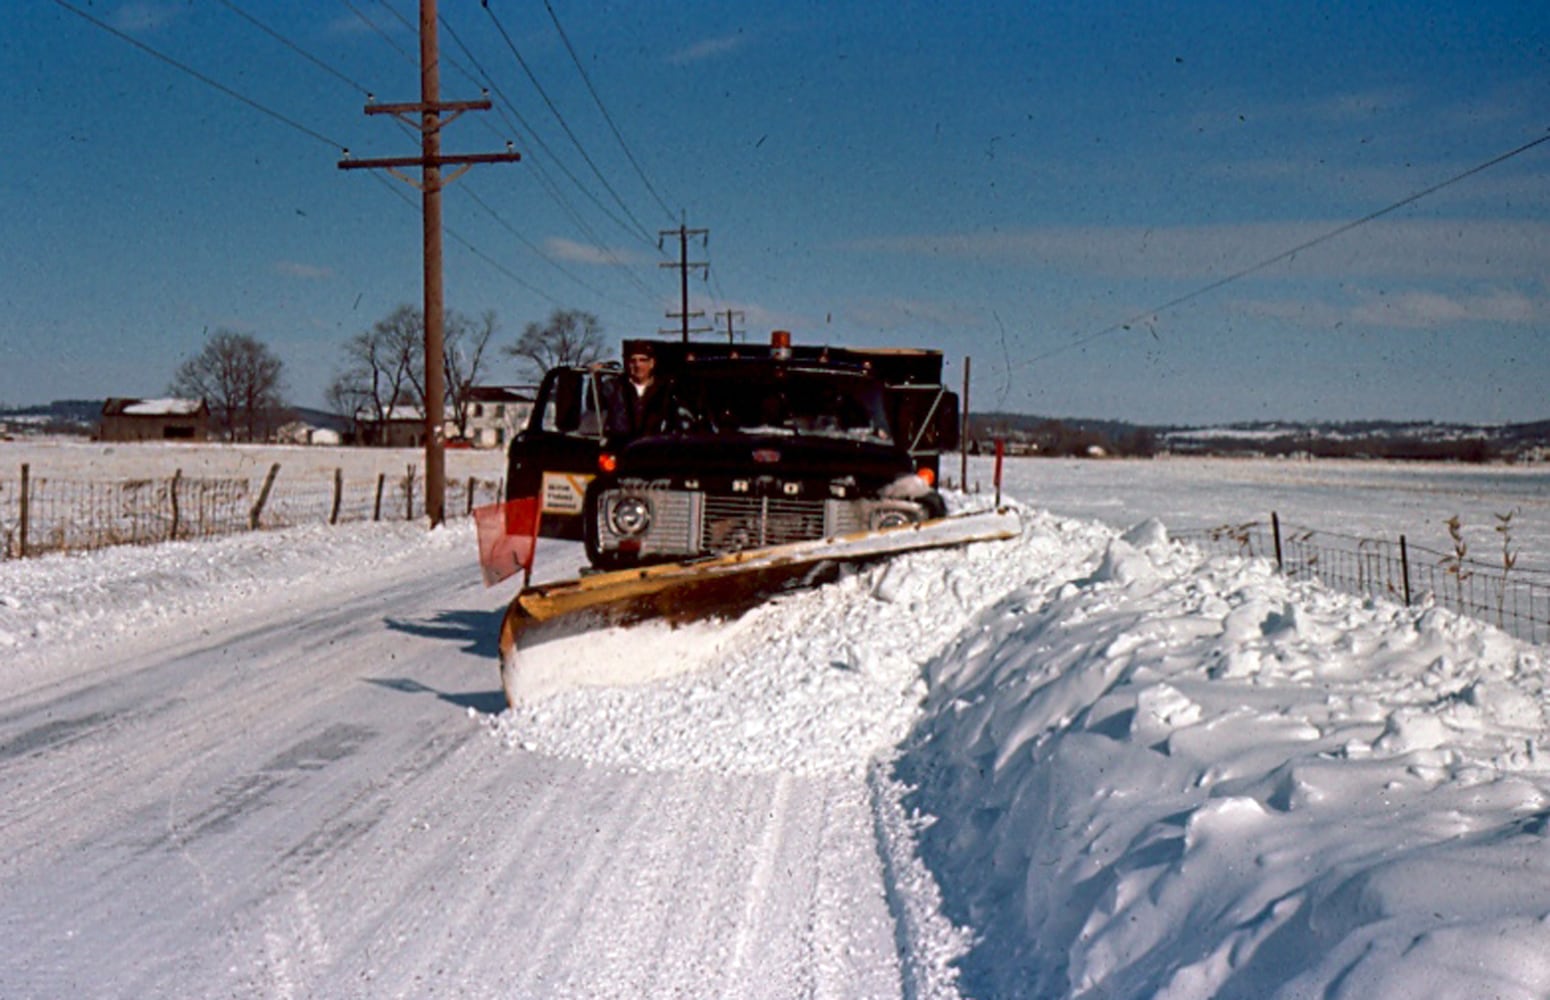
[63, 416]
[1325, 439]
[81, 416]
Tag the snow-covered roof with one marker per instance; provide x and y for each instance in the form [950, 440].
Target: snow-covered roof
[501, 393]
[154, 407]
[164, 407]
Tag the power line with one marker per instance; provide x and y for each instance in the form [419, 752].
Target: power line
[202, 78]
[640, 230]
[360, 15]
[606, 116]
[288, 121]
[1085, 339]
[323, 65]
[538, 251]
[319, 63]
[398, 192]
[484, 79]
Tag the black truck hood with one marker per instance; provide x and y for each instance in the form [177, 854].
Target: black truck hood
[780, 456]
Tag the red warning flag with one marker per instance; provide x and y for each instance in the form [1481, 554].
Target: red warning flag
[508, 538]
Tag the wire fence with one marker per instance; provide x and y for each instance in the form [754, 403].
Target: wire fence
[1513, 599]
[52, 514]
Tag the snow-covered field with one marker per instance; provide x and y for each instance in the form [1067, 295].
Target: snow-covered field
[1359, 498]
[1089, 762]
[76, 458]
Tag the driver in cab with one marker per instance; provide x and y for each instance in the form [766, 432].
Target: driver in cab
[637, 404]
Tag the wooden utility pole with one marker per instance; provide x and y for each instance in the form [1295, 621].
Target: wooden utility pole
[683, 233]
[428, 116]
[729, 314]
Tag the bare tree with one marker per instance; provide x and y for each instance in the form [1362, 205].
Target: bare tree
[240, 378]
[382, 369]
[568, 337]
[384, 366]
[464, 343]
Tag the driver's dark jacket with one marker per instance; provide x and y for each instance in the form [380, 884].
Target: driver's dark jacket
[631, 414]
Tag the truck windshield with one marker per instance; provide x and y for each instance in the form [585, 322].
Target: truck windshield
[789, 401]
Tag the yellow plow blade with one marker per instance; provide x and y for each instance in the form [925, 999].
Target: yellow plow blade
[720, 587]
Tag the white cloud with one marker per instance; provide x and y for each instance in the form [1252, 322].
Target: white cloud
[560, 248]
[1436, 249]
[1410, 309]
[357, 23]
[1425, 309]
[137, 17]
[309, 272]
[710, 48]
[889, 314]
[1360, 105]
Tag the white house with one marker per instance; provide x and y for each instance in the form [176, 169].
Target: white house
[496, 413]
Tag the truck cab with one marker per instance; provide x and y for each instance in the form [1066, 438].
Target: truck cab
[762, 445]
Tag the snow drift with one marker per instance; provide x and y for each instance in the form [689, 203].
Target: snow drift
[1170, 776]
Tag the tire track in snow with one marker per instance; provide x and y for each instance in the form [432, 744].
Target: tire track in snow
[195, 699]
[757, 890]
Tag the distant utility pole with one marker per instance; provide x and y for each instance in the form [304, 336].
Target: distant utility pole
[430, 111]
[731, 333]
[684, 264]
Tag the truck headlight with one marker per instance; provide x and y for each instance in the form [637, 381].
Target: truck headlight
[629, 516]
[891, 517]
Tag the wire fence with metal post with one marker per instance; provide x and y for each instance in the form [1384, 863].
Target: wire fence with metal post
[1514, 599]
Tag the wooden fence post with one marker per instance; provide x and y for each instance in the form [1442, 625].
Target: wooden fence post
[409, 495]
[263, 496]
[333, 514]
[177, 477]
[470, 511]
[1404, 567]
[376, 509]
[21, 551]
[1275, 529]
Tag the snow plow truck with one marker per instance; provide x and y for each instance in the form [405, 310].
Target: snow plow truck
[765, 467]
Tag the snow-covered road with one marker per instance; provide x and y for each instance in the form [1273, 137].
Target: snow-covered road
[291, 797]
[1081, 763]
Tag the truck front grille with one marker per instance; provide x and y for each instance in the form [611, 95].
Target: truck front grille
[731, 523]
[689, 523]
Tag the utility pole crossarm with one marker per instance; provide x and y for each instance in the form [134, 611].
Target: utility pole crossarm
[426, 116]
[429, 161]
[420, 107]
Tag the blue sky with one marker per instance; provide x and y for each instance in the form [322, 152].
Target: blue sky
[1022, 184]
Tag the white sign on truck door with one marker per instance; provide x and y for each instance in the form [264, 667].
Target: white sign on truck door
[564, 491]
